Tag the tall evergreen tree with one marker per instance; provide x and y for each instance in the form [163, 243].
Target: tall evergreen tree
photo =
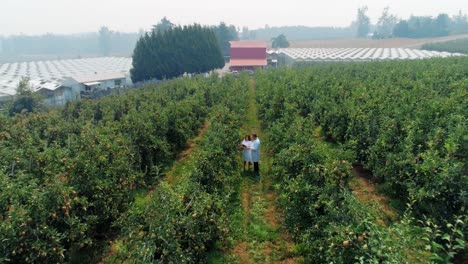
[171, 53]
[224, 34]
[164, 25]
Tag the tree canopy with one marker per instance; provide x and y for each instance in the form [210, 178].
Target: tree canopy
[279, 42]
[363, 23]
[224, 34]
[25, 99]
[424, 27]
[164, 25]
[178, 50]
[385, 25]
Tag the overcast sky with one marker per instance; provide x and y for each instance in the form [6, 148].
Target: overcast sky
[73, 16]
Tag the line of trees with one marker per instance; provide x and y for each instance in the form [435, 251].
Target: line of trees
[104, 42]
[423, 27]
[297, 32]
[389, 25]
[174, 50]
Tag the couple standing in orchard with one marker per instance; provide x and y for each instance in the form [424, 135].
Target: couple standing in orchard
[251, 147]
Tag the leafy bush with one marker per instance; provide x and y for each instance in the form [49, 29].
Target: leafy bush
[67, 175]
[405, 121]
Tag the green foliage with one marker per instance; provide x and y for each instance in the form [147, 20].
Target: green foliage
[224, 34]
[445, 241]
[181, 223]
[26, 100]
[454, 46]
[279, 42]
[164, 25]
[424, 27]
[385, 25]
[362, 23]
[405, 121]
[72, 171]
[175, 51]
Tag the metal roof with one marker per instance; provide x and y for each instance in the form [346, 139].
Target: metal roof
[248, 44]
[359, 54]
[51, 74]
[97, 77]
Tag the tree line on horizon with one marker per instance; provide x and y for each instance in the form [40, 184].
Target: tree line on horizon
[105, 42]
[387, 26]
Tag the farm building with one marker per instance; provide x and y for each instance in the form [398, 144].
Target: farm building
[60, 81]
[290, 56]
[248, 55]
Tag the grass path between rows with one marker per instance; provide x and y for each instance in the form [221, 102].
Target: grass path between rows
[261, 237]
[366, 192]
[143, 197]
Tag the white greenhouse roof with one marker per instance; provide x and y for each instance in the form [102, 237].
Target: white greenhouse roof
[359, 54]
[97, 77]
[51, 74]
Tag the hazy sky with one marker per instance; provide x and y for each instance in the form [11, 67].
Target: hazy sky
[72, 16]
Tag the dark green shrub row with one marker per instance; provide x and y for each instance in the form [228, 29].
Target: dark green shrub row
[405, 121]
[378, 113]
[68, 174]
[182, 223]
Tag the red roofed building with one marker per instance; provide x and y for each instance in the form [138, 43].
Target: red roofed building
[248, 55]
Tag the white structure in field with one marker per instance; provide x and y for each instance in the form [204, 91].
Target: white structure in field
[298, 55]
[66, 80]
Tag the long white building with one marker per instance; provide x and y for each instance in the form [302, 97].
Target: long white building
[66, 80]
[300, 55]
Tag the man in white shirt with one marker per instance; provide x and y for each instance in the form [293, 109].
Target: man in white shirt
[256, 155]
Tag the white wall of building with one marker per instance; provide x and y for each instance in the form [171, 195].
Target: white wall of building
[71, 90]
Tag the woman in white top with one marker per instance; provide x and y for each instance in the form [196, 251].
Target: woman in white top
[247, 144]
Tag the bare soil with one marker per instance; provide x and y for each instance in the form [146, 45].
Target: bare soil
[241, 250]
[364, 188]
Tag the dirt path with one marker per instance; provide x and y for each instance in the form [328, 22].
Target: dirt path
[262, 239]
[365, 191]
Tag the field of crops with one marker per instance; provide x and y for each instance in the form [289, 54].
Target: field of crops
[406, 122]
[454, 46]
[155, 175]
[67, 176]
